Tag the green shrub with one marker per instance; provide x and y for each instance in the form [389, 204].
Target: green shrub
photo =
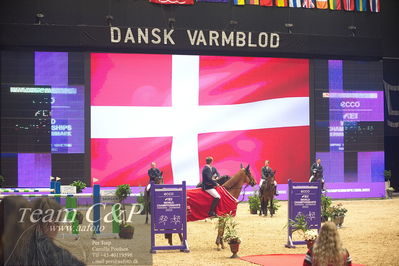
[79, 185]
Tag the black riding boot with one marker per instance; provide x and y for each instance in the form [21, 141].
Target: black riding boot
[275, 191]
[212, 212]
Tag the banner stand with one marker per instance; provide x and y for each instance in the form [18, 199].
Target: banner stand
[169, 214]
[303, 198]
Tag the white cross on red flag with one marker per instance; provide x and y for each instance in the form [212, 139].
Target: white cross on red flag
[176, 110]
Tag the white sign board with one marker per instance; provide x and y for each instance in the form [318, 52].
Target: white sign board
[108, 196]
[68, 190]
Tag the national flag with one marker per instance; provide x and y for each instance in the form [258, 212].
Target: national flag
[282, 3]
[349, 5]
[321, 4]
[252, 2]
[239, 2]
[308, 4]
[375, 6]
[335, 4]
[173, 2]
[361, 5]
[266, 2]
[214, 1]
[176, 110]
[295, 3]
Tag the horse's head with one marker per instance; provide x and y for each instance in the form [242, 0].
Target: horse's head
[271, 176]
[250, 179]
[159, 180]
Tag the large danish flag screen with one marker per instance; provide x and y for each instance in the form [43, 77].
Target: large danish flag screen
[176, 110]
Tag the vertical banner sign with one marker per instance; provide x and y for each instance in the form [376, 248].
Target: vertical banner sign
[305, 199]
[169, 214]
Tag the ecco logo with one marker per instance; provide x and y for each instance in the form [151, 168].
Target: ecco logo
[350, 104]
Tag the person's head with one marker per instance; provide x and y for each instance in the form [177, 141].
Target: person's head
[25, 224]
[35, 244]
[209, 160]
[328, 246]
[12, 224]
[267, 163]
[48, 220]
[318, 161]
[153, 165]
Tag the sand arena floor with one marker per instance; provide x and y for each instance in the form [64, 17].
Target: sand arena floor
[370, 232]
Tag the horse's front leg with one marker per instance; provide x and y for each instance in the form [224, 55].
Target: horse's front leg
[219, 237]
[265, 207]
[146, 206]
[271, 208]
[260, 211]
[169, 238]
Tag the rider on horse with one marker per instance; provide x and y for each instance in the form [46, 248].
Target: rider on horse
[267, 172]
[154, 172]
[317, 173]
[155, 175]
[209, 184]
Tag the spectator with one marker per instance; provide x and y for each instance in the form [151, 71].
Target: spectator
[328, 250]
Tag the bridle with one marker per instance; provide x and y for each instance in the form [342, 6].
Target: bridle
[248, 174]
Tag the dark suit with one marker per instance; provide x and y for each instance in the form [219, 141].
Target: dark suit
[207, 174]
[319, 171]
[266, 172]
[154, 173]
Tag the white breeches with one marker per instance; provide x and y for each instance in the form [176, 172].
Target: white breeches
[213, 193]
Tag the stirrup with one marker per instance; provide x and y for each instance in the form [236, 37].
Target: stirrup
[212, 214]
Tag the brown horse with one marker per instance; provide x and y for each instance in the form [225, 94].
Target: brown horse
[266, 195]
[234, 186]
[220, 181]
[147, 198]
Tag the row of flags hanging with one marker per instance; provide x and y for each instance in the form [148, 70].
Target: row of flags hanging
[347, 5]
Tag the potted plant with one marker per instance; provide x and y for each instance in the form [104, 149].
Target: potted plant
[299, 224]
[230, 234]
[276, 205]
[325, 207]
[79, 188]
[390, 191]
[79, 185]
[387, 178]
[125, 230]
[310, 237]
[338, 214]
[2, 179]
[254, 204]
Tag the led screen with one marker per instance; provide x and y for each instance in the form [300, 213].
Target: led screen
[176, 110]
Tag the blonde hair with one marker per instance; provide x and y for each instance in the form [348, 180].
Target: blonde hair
[328, 249]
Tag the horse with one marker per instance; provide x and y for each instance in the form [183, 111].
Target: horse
[316, 176]
[147, 198]
[266, 194]
[234, 186]
[223, 179]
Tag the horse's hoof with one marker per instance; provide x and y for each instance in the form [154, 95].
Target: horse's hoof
[218, 248]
